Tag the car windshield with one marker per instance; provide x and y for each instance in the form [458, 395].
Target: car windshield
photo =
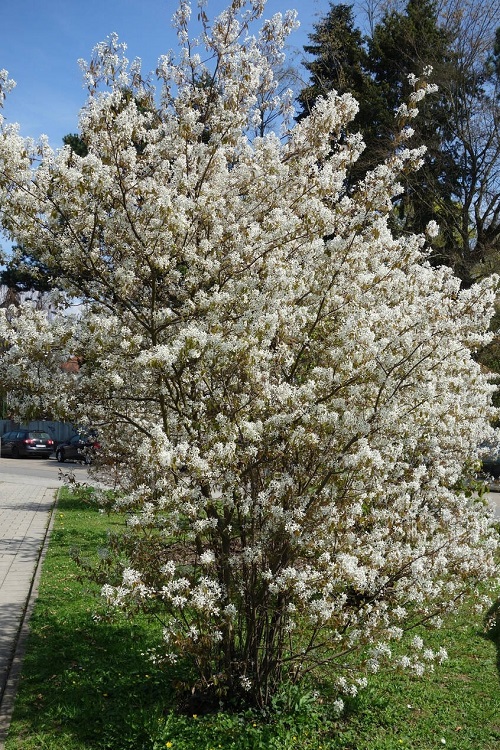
[38, 435]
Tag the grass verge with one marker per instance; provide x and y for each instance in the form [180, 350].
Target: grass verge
[87, 684]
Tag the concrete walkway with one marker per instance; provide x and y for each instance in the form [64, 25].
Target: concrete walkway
[25, 513]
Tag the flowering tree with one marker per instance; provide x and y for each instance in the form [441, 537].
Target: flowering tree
[285, 392]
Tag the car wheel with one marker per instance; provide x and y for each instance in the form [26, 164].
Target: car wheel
[60, 456]
[15, 452]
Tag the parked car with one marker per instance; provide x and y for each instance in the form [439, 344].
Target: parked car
[489, 454]
[491, 461]
[24, 442]
[78, 448]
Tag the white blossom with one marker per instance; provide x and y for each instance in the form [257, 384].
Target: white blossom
[285, 391]
[432, 229]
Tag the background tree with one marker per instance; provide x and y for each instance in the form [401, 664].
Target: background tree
[24, 273]
[474, 138]
[75, 142]
[402, 44]
[340, 63]
[458, 184]
[339, 60]
[285, 388]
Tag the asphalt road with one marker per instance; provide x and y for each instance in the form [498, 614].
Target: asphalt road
[494, 498]
[39, 471]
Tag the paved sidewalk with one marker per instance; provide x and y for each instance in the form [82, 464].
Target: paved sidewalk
[25, 513]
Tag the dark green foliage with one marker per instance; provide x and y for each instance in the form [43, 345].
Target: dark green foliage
[77, 144]
[456, 185]
[24, 273]
[340, 62]
[496, 55]
[403, 44]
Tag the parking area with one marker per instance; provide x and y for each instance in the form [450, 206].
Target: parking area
[34, 470]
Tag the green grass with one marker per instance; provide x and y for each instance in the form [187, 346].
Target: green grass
[87, 685]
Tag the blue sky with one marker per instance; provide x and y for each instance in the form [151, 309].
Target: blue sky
[41, 41]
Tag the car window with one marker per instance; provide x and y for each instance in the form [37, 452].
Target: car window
[39, 435]
[75, 439]
[6, 436]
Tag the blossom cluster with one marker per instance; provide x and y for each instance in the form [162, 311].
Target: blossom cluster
[285, 392]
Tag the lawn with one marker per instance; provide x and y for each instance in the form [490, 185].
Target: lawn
[87, 683]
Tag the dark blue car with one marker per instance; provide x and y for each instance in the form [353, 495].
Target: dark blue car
[78, 448]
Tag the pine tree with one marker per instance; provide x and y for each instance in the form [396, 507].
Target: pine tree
[404, 44]
[340, 62]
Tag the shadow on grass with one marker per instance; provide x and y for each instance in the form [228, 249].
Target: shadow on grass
[492, 621]
[86, 683]
[90, 686]
[91, 682]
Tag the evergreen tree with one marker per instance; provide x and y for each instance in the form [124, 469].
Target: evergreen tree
[78, 146]
[339, 58]
[340, 62]
[406, 43]
[25, 273]
[376, 71]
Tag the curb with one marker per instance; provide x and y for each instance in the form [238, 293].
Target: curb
[9, 689]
